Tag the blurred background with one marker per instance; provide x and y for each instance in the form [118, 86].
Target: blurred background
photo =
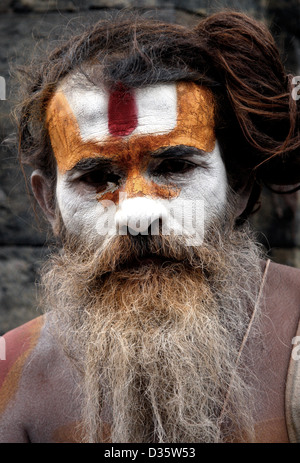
[26, 25]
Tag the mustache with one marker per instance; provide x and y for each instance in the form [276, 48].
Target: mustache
[157, 247]
[126, 251]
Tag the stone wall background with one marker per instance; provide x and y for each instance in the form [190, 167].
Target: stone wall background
[24, 25]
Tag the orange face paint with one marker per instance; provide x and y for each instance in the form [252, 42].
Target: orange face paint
[194, 126]
[139, 186]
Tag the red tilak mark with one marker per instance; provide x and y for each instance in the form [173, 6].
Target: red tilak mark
[122, 112]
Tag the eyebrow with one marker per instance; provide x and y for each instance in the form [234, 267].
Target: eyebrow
[178, 151]
[88, 164]
[91, 163]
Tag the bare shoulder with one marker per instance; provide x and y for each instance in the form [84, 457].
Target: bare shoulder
[17, 347]
[36, 383]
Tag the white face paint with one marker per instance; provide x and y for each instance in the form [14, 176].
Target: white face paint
[156, 110]
[206, 185]
[151, 155]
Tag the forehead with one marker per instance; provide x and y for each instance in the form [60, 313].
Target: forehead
[86, 120]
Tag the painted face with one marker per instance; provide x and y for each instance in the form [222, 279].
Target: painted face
[126, 157]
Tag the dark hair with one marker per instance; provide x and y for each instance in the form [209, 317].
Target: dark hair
[257, 120]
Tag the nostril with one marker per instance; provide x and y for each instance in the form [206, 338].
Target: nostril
[155, 228]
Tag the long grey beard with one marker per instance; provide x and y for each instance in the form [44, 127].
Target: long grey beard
[157, 345]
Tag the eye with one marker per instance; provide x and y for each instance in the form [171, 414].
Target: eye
[174, 166]
[100, 179]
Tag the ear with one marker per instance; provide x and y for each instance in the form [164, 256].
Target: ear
[42, 190]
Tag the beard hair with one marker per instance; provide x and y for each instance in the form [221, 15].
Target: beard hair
[156, 341]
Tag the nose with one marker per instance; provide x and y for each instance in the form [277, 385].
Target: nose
[140, 216]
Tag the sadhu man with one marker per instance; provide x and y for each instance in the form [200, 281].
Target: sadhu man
[156, 331]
